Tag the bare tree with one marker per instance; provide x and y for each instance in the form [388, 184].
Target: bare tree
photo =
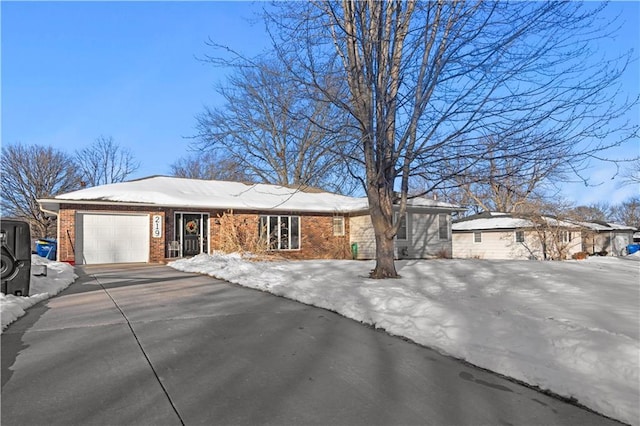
[501, 182]
[209, 165]
[592, 212]
[272, 129]
[555, 228]
[105, 162]
[425, 81]
[32, 172]
[627, 212]
[631, 174]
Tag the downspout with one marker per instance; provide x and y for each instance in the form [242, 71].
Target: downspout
[52, 213]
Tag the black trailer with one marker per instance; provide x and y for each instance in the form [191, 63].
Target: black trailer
[16, 257]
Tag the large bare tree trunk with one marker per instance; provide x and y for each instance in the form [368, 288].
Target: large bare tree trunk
[381, 211]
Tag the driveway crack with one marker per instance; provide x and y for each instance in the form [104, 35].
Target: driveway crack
[144, 353]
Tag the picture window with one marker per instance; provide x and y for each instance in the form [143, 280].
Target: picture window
[280, 232]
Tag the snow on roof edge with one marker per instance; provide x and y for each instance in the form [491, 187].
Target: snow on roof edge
[165, 191]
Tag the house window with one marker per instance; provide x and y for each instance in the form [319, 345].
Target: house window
[565, 236]
[477, 237]
[338, 226]
[280, 232]
[402, 230]
[519, 236]
[443, 227]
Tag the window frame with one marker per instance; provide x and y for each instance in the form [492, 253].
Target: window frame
[405, 227]
[443, 217]
[341, 231]
[274, 237]
[477, 237]
[518, 240]
[565, 236]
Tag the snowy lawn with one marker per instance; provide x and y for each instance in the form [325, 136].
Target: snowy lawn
[570, 327]
[59, 276]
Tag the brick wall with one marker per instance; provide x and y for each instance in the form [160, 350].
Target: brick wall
[157, 246]
[66, 235]
[318, 241]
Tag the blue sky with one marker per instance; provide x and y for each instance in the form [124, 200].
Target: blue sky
[74, 71]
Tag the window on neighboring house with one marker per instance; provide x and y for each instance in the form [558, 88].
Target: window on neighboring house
[280, 232]
[443, 227]
[565, 236]
[519, 236]
[338, 226]
[477, 237]
[402, 230]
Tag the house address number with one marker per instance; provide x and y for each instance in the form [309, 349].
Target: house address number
[157, 226]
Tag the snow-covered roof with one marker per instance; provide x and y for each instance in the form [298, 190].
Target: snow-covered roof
[620, 227]
[427, 202]
[606, 226]
[497, 220]
[501, 222]
[211, 194]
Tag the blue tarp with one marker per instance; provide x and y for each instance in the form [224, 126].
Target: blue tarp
[632, 248]
[46, 248]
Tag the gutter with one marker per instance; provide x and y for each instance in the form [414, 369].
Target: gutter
[352, 211]
[58, 202]
[49, 212]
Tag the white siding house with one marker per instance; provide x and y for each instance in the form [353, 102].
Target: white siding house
[493, 235]
[607, 238]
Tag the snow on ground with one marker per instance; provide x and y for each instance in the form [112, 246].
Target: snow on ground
[59, 276]
[570, 327]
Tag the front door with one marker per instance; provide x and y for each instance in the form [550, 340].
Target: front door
[194, 233]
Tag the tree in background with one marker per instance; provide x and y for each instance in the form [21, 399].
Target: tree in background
[631, 175]
[424, 82]
[501, 182]
[273, 129]
[591, 213]
[627, 212]
[105, 162]
[30, 173]
[209, 165]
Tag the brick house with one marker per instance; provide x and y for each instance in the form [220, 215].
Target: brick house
[154, 219]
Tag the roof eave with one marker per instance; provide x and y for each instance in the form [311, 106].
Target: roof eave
[54, 205]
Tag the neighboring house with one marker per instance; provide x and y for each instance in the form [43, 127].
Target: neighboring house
[493, 235]
[425, 231]
[156, 218]
[606, 238]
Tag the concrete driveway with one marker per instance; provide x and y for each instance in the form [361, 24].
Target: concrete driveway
[148, 345]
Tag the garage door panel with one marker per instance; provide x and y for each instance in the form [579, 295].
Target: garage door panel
[112, 238]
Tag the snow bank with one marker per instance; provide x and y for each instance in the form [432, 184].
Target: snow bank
[59, 276]
[570, 327]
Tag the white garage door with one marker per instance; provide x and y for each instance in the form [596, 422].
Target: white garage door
[111, 238]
